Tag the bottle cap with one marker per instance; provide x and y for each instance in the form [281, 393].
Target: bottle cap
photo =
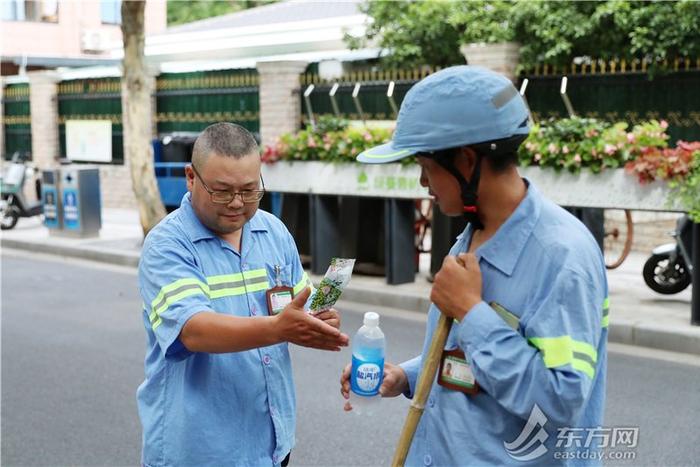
[371, 319]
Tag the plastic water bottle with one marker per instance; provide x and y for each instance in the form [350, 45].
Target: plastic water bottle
[367, 365]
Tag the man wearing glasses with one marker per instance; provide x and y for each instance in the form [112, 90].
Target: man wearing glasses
[218, 388]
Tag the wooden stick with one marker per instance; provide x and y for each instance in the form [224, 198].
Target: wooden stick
[425, 382]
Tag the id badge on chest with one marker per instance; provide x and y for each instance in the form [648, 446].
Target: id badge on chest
[456, 373]
[279, 296]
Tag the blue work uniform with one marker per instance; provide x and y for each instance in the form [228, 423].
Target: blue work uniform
[545, 269]
[208, 409]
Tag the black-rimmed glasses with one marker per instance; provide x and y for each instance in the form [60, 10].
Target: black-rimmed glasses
[225, 197]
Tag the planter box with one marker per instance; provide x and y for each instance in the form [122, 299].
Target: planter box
[321, 178]
[613, 189]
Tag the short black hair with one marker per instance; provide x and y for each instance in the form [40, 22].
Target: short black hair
[223, 139]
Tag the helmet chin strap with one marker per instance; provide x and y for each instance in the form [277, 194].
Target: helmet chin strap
[468, 189]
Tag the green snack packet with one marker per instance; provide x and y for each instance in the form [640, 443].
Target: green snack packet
[332, 284]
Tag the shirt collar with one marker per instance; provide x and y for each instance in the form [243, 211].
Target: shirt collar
[199, 231]
[505, 248]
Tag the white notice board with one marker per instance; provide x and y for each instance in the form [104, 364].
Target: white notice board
[89, 140]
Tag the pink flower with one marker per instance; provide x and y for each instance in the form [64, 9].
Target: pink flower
[565, 149]
[538, 156]
[610, 149]
[553, 148]
[577, 159]
[664, 124]
[327, 147]
[310, 142]
[368, 137]
[529, 146]
[630, 138]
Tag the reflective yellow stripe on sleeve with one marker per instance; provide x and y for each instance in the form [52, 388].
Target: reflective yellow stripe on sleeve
[304, 282]
[606, 312]
[561, 351]
[225, 285]
[175, 291]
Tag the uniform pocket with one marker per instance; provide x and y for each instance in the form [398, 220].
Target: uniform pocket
[279, 271]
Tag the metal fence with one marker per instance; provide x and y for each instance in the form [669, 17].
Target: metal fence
[612, 91]
[17, 119]
[184, 102]
[92, 99]
[619, 91]
[192, 101]
[372, 93]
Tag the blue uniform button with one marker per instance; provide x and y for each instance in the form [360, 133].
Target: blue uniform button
[431, 401]
[267, 359]
[427, 460]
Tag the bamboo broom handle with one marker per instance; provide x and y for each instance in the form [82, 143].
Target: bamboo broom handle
[425, 382]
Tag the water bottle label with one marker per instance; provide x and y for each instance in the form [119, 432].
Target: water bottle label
[366, 377]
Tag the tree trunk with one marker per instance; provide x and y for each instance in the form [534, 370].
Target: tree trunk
[137, 87]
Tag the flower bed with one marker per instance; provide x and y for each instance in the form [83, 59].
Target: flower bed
[568, 145]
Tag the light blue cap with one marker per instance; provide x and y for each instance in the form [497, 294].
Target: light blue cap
[458, 106]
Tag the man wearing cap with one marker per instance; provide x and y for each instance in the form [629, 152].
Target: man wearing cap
[525, 283]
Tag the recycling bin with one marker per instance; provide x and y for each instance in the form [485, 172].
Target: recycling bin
[80, 201]
[53, 209]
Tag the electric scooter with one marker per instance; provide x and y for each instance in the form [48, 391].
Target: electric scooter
[13, 203]
[669, 269]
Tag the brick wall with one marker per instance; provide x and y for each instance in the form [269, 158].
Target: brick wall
[43, 104]
[502, 58]
[115, 187]
[280, 98]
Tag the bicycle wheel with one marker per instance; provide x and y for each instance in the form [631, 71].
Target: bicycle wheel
[619, 233]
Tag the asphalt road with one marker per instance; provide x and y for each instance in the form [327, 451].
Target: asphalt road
[72, 357]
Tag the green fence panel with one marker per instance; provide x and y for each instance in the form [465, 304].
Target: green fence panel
[17, 119]
[372, 95]
[611, 91]
[92, 99]
[629, 97]
[189, 102]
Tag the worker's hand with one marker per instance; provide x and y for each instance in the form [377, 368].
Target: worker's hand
[295, 325]
[457, 285]
[330, 317]
[394, 384]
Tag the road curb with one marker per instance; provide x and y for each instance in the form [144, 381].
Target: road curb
[102, 255]
[641, 334]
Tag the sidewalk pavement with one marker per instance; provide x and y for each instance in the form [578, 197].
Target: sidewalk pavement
[638, 316]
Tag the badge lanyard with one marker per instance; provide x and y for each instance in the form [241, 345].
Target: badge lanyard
[279, 296]
[456, 373]
[455, 369]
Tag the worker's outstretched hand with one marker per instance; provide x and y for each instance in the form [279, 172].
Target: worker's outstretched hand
[295, 325]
